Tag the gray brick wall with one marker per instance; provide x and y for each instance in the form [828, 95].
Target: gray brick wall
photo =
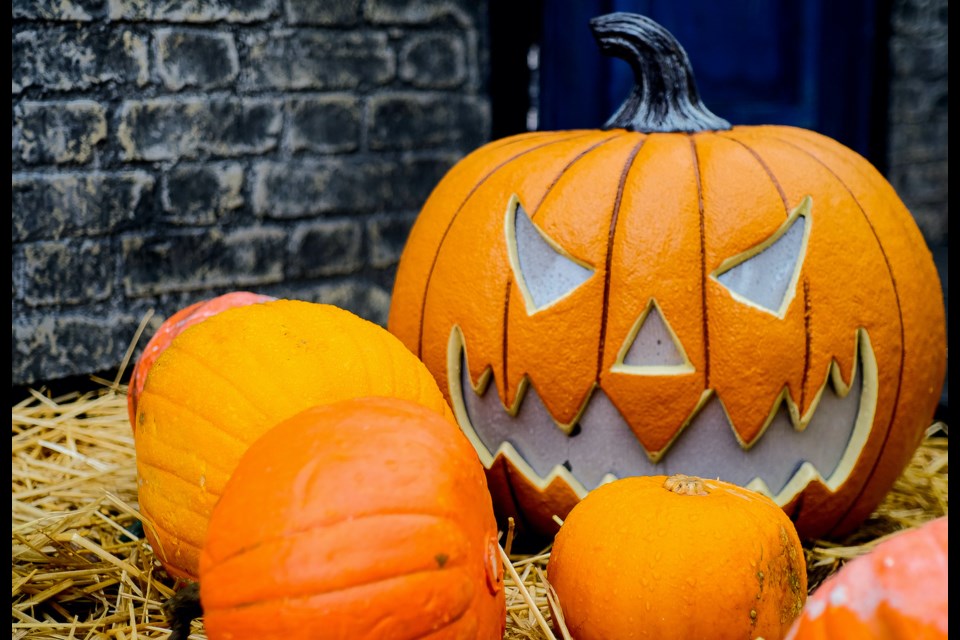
[917, 141]
[165, 152]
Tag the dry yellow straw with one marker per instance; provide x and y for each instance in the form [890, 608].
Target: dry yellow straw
[81, 568]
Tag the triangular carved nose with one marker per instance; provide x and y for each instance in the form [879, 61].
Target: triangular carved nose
[651, 347]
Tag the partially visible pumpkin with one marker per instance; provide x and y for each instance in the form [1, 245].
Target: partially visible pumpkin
[171, 328]
[223, 383]
[677, 557]
[367, 518]
[897, 591]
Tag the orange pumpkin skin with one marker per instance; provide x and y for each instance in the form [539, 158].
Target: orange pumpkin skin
[224, 382]
[171, 328]
[367, 518]
[656, 217]
[676, 558]
[897, 591]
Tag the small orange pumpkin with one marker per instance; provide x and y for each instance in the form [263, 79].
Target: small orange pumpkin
[362, 519]
[677, 557]
[171, 328]
[223, 383]
[671, 293]
[897, 591]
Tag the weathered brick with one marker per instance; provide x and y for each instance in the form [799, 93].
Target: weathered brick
[325, 124]
[190, 58]
[910, 143]
[924, 182]
[67, 10]
[462, 12]
[301, 59]
[327, 247]
[59, 132]
[54, 205]
[65, 58]
[241, 11]
[919, 18]
[172, 128]
[70, 271]
[199, 259]
[313, 187]
[433, 61]
[200, 193]
[77, 342]
[387, 237]
[411, 120]
[918, 59]
[914, 100]
[342, 13]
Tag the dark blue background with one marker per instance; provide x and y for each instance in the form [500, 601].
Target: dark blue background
[810, 63]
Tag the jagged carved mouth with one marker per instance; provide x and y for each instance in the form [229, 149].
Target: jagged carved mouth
[780, 463]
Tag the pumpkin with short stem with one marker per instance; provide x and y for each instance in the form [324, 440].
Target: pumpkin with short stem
[225, 381]
[896, 591]
[171, 328]
[677, 557]
[362, 519]
[674, 294]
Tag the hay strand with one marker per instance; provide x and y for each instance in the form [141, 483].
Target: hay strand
[82, 569]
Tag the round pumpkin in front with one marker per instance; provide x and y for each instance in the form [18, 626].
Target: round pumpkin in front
[363, 519]
[679, 557]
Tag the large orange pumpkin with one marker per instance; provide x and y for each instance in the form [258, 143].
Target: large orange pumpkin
[897, 591]
[362, 519]
[171, 328]
[677, 557]
[223, 382]
[674, 294]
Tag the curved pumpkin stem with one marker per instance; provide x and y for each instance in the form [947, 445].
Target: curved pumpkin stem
[685, 485]
[664, 98]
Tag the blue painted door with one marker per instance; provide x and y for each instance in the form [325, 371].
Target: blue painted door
[810, 63]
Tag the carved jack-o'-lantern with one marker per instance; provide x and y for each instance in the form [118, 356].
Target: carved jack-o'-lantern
[671, 294]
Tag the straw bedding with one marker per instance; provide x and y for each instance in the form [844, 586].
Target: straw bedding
[81, 568]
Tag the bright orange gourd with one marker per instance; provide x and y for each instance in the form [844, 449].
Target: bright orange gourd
[225, 381]
[363, 519]
[171, 328]
[677, 557]
[674, 294]
[897, 591]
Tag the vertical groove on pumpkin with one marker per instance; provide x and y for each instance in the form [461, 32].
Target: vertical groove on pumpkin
[436, 255]
[609, 257]
[518, 512]
[579, 156]
[896, 294]
[703, 263]
[807, 313]
[766, 168]
[506, 329]
[533, 212]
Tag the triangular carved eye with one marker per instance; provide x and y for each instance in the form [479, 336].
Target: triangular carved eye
[766, 275]
[544, 271]
[651, 347]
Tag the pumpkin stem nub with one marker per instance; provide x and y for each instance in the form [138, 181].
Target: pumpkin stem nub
[685, 485]
[664, 98]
